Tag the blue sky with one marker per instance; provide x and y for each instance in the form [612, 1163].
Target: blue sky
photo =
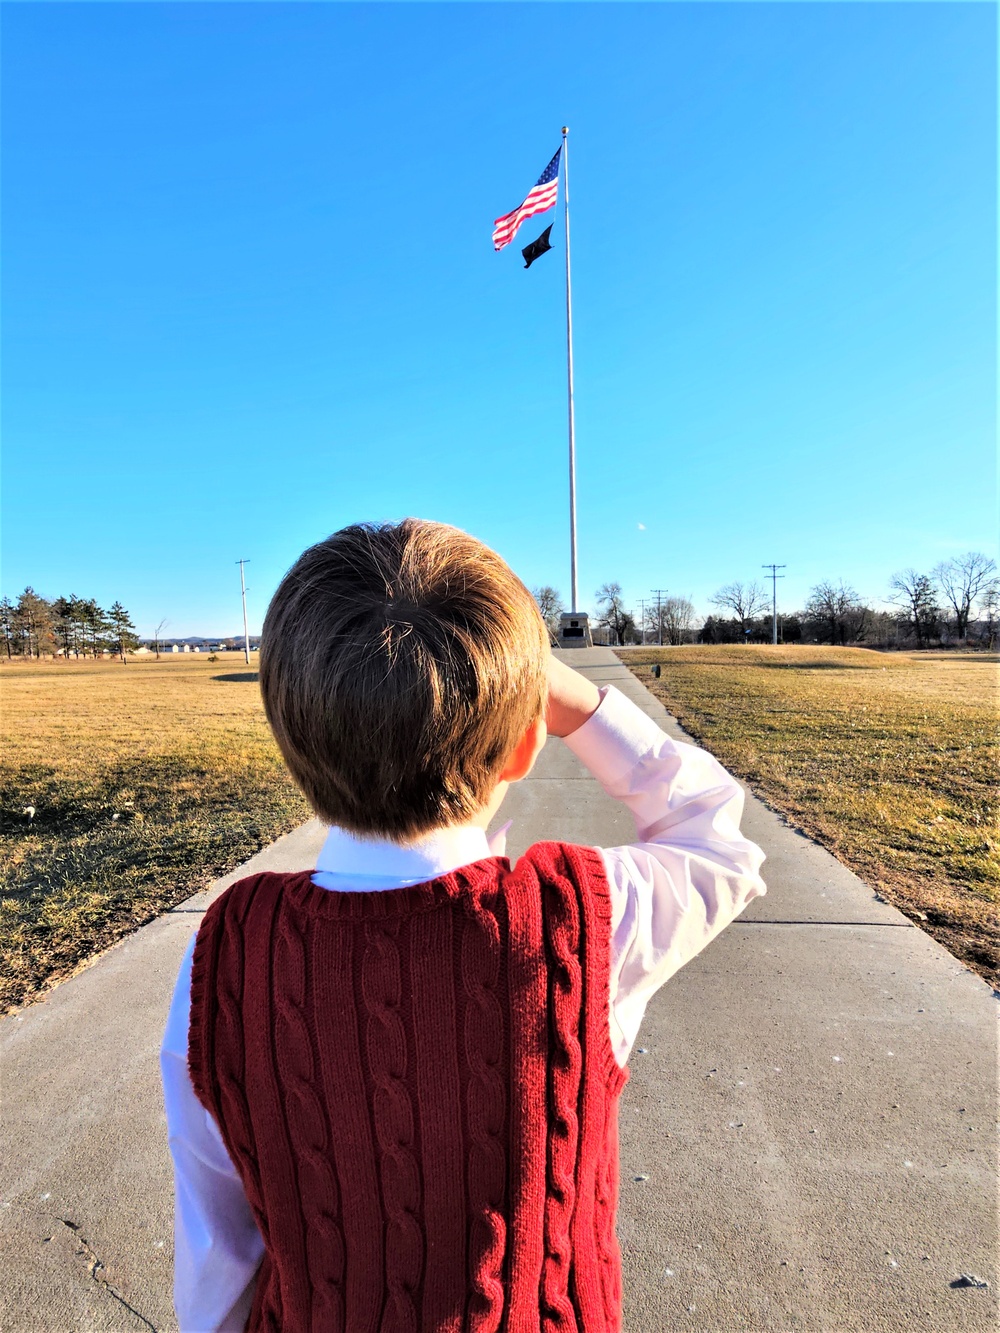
[250, 293]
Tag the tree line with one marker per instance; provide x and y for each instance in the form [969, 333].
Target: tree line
[35, 626]
[956, 602]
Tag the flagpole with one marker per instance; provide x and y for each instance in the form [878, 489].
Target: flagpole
[569, 381]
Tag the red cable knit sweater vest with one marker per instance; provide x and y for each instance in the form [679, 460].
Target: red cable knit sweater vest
[418, 1089]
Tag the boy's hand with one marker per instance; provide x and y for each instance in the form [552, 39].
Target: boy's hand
[572, 699]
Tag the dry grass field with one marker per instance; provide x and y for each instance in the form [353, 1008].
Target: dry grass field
[146, 782]
[888, 760]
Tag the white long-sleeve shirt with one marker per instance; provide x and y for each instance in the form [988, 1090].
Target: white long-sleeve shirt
[689, 873]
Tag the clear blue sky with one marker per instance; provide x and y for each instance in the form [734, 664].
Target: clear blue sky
[250, 293]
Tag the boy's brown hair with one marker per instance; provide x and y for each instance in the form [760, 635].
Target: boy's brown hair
[400, 664]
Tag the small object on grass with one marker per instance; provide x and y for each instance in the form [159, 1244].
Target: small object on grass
[970, 1280]
[29, 810]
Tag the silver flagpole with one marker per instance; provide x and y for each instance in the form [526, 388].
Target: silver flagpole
[569, 377]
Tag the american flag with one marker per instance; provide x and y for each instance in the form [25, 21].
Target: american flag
[541, 196]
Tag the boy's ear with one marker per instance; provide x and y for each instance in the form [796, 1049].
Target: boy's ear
[521, 759]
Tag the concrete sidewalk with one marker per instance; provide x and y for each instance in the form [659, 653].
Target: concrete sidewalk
[806, 1138]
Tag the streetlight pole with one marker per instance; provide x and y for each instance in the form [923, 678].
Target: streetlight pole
[246, 631]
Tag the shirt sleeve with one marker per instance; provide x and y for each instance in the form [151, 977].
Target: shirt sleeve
[690, 871]
[217, 1245]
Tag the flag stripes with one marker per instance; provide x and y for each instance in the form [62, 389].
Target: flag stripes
[540, 197]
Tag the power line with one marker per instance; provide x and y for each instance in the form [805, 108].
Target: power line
[775, 576]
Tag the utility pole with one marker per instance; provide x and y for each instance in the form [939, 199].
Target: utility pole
[775, 576]
[642, 620]
[659, 593]
[246, 632]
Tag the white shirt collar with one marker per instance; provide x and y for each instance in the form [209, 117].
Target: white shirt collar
[347, 862]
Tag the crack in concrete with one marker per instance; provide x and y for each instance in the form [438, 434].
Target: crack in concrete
[95, 1267]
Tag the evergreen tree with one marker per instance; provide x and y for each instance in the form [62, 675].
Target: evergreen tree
[78, 611]
[7, 623]
[32, 624]
[124, 638]
[93, 627]
[65, 623]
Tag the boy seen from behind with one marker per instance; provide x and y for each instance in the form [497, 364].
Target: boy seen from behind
[392, 1082]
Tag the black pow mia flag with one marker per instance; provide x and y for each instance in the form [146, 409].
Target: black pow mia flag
[537, 248]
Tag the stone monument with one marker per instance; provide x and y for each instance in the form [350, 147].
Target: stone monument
[574, 630]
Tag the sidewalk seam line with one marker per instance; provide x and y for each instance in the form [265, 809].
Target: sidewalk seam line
[889, 925]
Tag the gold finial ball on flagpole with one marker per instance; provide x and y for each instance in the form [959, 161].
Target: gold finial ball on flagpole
[565, 129]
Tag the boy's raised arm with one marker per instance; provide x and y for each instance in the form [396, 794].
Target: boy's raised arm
[572, 699]
[690, 871]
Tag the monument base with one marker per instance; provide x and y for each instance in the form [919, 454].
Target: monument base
[574, 630]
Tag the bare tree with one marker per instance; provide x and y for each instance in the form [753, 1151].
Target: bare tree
[837, 612]
[653, 620]
[156, 637]
[746, 601]
[677, 614]
[915, 594]
[551, 606]
[962, 579]
[612, 611]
